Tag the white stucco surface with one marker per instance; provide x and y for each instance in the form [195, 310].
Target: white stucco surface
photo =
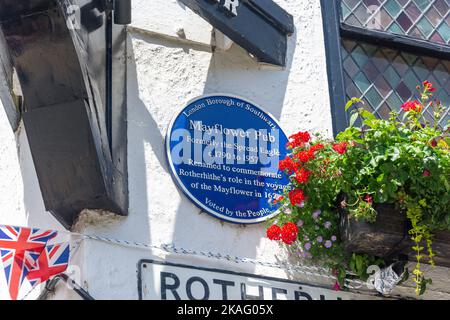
[163, 74]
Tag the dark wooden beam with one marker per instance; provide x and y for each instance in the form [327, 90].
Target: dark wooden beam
[261, 27]
[399, 42]
[65, 97]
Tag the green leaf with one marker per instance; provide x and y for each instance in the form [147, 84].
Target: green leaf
[405, 277]
[423, 287]
[446, 183]
[353, 119]
[367, 115]
[359, 263]
[371, 123]
[351, 102]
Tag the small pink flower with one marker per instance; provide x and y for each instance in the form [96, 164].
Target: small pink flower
[316, 214]
[368, 198]
[337, 287]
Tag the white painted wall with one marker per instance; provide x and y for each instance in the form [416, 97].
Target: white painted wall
[164, 73]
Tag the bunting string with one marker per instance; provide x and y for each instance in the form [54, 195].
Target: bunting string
[313, 271]
[76, 239]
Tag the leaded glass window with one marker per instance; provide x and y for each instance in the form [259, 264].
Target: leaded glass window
[385, 77]
[422, 19]
[380, 50]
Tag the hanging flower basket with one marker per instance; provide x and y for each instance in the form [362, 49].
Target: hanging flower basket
[395, 175]
[382, 238]
[389, 236]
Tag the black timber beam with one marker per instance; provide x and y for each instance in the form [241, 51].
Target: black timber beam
[259, 26]
[62, 73]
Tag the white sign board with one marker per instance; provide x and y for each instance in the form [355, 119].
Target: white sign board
[168, 281]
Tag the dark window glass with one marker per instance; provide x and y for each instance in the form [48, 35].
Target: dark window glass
[422, 19]
[385, 78]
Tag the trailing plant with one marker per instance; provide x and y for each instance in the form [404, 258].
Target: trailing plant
[403, 160]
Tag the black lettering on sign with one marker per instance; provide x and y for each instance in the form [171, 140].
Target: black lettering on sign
[172, 287]
[224, 285]
[189, 284]
[299, 295]
[245, 296]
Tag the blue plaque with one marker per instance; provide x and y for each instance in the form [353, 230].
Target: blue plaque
[224, 152]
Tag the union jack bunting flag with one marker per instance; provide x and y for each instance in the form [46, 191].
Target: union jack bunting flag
[20, 248]
[53, 260]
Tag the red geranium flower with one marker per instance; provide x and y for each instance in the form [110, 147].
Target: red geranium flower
[274, 233]
[301, 136]
[340, 148]
[426, 173]
[299, 139]
[429, 86]
[302, 175]
[317, 147]
[296, 196]
[412, 106]
[288, 164]
[305, 156]
[289, 233]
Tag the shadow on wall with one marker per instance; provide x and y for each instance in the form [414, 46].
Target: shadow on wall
[144, 136]
[234, 71]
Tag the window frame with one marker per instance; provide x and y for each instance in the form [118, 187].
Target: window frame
[335, 31]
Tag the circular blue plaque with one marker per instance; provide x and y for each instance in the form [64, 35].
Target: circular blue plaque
[224, 152]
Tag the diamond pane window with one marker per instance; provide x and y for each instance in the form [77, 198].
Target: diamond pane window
[423, 19]
[385, 78]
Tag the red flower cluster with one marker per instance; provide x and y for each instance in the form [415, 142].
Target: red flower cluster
[288, 233]
[274, 233]
[428, 86]
[302, 175]
[317, 147]
[288, 164]
[340, 148]
[296, 196]
[305, 156]
[299, 139]
[412, 106]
